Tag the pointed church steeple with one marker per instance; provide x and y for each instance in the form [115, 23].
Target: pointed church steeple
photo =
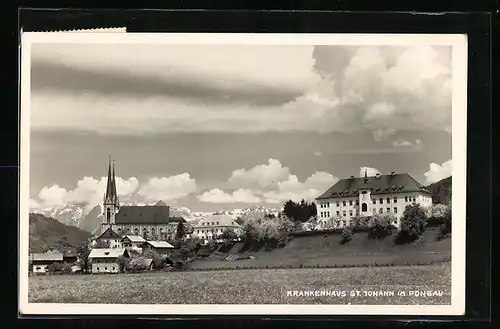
[366, 176]
[115, 195]
[109, 186]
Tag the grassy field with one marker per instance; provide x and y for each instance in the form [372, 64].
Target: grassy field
[249, 286]
[326, 251]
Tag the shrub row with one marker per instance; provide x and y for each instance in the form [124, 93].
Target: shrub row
[324, 266]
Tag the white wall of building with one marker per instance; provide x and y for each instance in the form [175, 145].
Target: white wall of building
[348, 207]
[105, 265]
[40, 268]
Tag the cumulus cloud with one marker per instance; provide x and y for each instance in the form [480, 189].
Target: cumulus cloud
[239, 196]
[261, 176]
[168, 188]
[369, 171]
[293, 189]
[383, 133]
[52, 196]
[271, 183]
[401, 143]
[89, 191]
[207, 89]
[437, 172]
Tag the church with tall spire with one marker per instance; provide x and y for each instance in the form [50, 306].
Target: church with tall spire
[118, 220]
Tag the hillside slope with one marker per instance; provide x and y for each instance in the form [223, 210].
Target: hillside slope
[47, 233]
[441, 191]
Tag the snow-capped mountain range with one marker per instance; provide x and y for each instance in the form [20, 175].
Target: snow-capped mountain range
[80, 215]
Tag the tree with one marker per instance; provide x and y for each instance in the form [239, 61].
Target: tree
[181, 231]
[438, 211]
[239, 221]
[413, 223]
[299, 212]
[380, 226]
[55, 267]
[122, 262]
[83, 253]
[445, 227]
[346, 235]
[228, 236]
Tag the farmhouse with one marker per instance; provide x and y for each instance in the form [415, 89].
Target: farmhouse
[133, 220]
[111, 238]
[133, 241]
[215, 225]
[160, 247]
[41, 261]
[366, 196]
[106, 260]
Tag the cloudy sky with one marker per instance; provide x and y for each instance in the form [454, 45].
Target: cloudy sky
[211, 127]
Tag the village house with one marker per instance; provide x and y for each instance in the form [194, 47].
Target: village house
[366, 196]
[110, 238]
[106, 260]
[133, 241]
[41, 261]
[213, 226]
[160, 247]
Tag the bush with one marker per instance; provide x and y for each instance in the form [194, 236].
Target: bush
[346, 235]
[66, 268]
[445, 228]
[55, 267]
[413, 224]
[380, 226]
[136, 265]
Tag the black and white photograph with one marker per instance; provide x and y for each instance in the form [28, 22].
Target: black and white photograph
[242, 173]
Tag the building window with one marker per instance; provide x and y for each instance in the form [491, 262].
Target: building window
[328, 214]
[414, 200]
[364, 207]
[388, 209]
[395, 210]
[338, 204]
[388, 200]
[381, 201]
[350, 213]
[98, 268]
[113, 268]
[395, 199]
[350, 202]
[357, 202]
[344, 222]
[406, 198]
[338, 213]
[381, 211]
[343, 203]
[344, 214]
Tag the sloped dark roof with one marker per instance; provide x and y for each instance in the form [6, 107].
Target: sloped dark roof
[109, 234]
[383, 184]
[143, 215]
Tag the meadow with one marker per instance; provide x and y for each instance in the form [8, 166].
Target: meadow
[250, 286]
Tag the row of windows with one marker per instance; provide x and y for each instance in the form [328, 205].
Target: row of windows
[216, 230]
[208, 223]
[381, 201]
[351, 212]
[113, 268]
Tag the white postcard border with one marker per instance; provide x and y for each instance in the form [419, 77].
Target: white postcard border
[459, 142]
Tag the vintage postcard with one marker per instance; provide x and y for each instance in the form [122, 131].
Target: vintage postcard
[242, 174]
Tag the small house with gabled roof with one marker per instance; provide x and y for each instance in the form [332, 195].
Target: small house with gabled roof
[110, 238]
[41, 261]
[106, 260]
[160, 247]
